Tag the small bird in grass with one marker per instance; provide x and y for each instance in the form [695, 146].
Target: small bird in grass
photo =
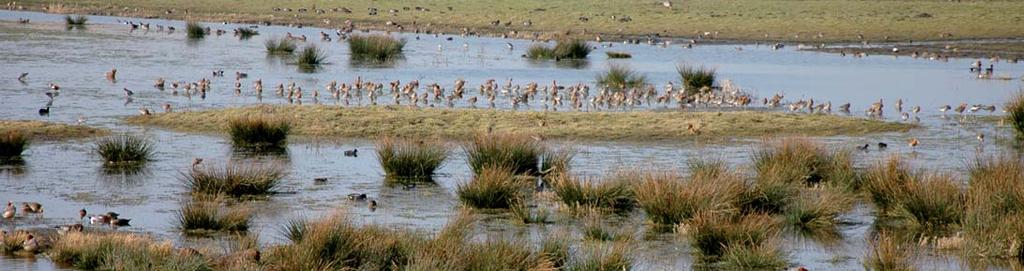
[913, 143]
[23, 76]
[352, 153]
[882, 145]
[31, 245]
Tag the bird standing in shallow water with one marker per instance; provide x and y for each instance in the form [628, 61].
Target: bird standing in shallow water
[913, 143]
[981, 138]
[22, 77]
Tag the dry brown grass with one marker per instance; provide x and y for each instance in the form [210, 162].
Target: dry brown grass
[42, 130]
[372, 122]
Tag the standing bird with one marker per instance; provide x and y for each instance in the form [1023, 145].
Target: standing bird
[128, 93]
[913, 143]
[31, 245]
[10, 211]
[981, 138]
[144, 111]
[960, 109]
[22, 77]
[112, 75]
[509, 45]
[196, 162]
[667, 4]
[945, 108]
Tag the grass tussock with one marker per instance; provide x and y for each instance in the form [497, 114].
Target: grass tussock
[612, 54]
[121, 251]
[934, 202]
[614, 194]
[712, 235]
[556, 162]
[245, 33]
[375, 48]
[194, 30]
[124, 150]
[13, 243]
[522, 213]
[614, 256]
[621, 77]
[669, 199]
[259, 133]
[406, 159]
[12, 144]
[336, 243]
[764, 256]
[517, 152]
[311, 56]
[209, 216]
[695, 78]
[817, 210]
[564, 49]
[76, 20]
[234, 179]
[279, 46]
[887, 253]
[1015, 113]
[994, 218]
[886, 183]
[493, 188]
[595, 228]
[43, 130]
[803, 161]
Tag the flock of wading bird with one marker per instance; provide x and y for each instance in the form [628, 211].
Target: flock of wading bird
[31, 244]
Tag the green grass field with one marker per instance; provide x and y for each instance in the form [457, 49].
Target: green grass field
[370, 122]
[746, 20]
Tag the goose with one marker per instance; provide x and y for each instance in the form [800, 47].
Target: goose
[10, 211]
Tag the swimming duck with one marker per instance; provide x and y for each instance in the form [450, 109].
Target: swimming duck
[65, 229]
[22, 77]
[372, 205]
[913, 143]
[352, 153]
[320, 180]
[357, 196]
[120, 222]
[10, 211]
[32, 208]
[882, 145]
[31, 245]
[112, 75]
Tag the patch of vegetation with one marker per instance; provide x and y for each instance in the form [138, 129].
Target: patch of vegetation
[311, 56]
[804, 162]
[621, 77]
[615, 194]
[517, 152]
[76, 20]
[124, 150]
[194, 30]
[12, 144]
[817, 210]
[612, 54]
[934, 202]
[886, 183]
[406, 159]
[522, 213]
[259, 133]
[234, 179]
[564, 49]
[203, 215]
[42, 130]
[713, 235]
[375, 48]
[279, 46]
[695, 78]
[765, 256]
[669, 199]
[994, 218]
[887, 253]
[121, 251]
[1015, 113]
[245, 33]
[493, 188]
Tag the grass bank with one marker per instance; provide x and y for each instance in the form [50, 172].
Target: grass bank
[371, 122]
[42, 130]
[836, 20]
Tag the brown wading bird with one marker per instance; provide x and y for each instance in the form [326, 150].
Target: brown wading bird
[32, 208]
[112, 75]
[196, 161]
[913, 143]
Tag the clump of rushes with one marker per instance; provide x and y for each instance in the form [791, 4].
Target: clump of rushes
[405, 159]
[614, 194]
[766, 256]
[817, 210]
[13, 243]
[934, 202]
[124, 150]
[564, 49]
[1015, 112]
[204, 215]
[492, 188]
[803, 161]
[621, 77]
[555, 163]
[194, 30]
[595, 228]
[259, 133]
[279, 46]
[994, 219]
[121, 251]
[245, 33]
[618, 54]
[294, 229]
[712, 235]
[519, 153]
[669, 199]
[336, 243]
[614, 256]
[522, 213]
[695, 78]
[887, 253]
[12, 144]
[311, 56]
[76, 20]
[886, 183]
[375, 48]
[234, 179]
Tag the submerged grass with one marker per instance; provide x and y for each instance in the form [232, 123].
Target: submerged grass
[124, 150]
[612, 54]
[564, 49]
[493, 188]
[620, 77]
[695, 78]
[206, 215]
[234, 179]
[259, 133]
[279, 46]
[76, 20]
[194, 30]
[365, 122]
[375, 48]
[121, 251]
[1015, 112]
[246, 33]
[517, 152]
[12, 144]
[406, 159]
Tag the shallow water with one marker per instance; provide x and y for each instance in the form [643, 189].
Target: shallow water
[66, 176]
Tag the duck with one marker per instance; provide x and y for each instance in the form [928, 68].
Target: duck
[65, 229]
[44, 111]
[128, 93]
[10, 211]
[22, 77]
[103, 218]
[945, 108]
[31, 245]
[357, 196]
[196, 161]
[352, 153]
[112, 75]
[320, 180]
[32, 208]
[981, 138]
[120, 222]
[882, 145]
[145, 111]
[372, 205]
[864, 147]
